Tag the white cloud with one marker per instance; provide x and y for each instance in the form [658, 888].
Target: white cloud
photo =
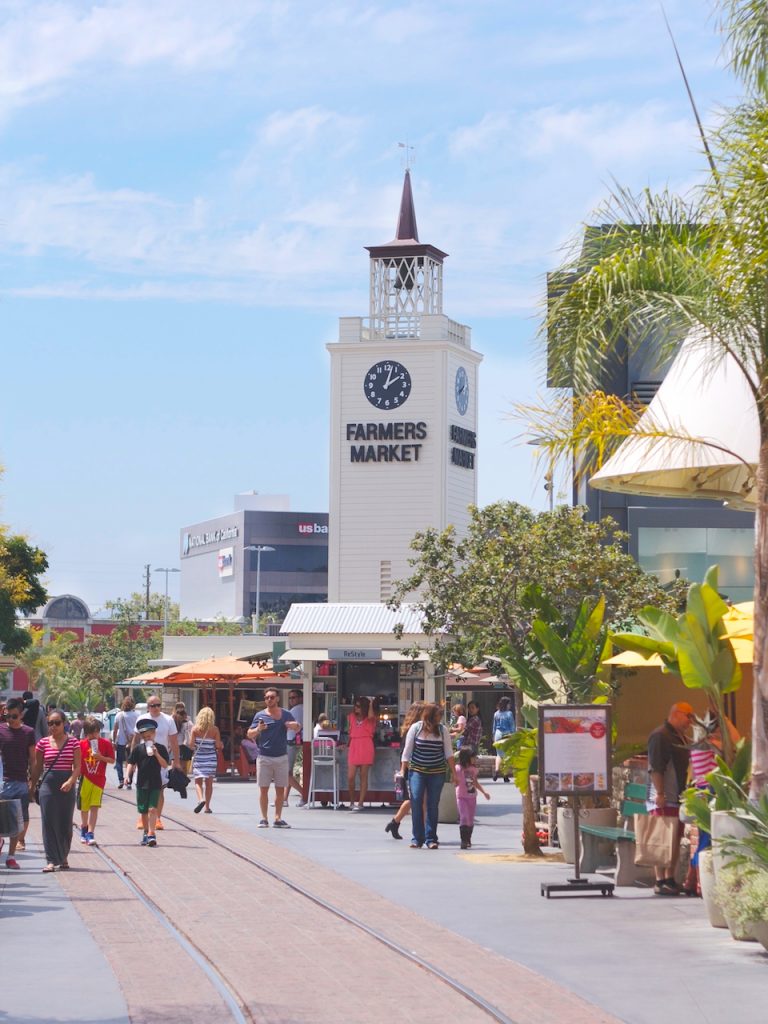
[473, 139]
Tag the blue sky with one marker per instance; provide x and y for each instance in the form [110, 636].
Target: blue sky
[187, 188]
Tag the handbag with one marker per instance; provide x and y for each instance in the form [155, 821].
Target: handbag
[655, 840]
[48, 770]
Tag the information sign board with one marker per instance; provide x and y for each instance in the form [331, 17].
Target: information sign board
[575, 749]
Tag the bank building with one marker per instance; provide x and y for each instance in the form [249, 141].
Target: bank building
[403, 458]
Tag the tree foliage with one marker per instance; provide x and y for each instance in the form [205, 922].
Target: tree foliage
[661, 264]
[134, 608]
[480, 594]
[21, 590]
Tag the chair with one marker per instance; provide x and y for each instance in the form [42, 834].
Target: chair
[324, 760]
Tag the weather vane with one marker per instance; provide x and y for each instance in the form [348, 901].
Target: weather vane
[408, 150]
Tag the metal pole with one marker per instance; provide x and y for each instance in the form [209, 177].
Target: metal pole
[165, 607]
[258, 586]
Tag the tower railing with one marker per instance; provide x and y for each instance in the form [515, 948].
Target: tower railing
[400, 327]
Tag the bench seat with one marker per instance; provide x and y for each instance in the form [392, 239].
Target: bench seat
[605, 832]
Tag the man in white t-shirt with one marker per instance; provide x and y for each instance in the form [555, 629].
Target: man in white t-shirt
[296, 708]
[167, 735]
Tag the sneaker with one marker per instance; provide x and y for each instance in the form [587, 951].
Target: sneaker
[13, 864]
[281, 824]
[264, 823]
[128, 785]
[120, 785]
[302, 803]
[90, 839]
[83, 834]
[151, 841]
[145, 840]
[159, 826]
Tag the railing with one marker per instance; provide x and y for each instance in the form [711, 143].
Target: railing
[429, 327]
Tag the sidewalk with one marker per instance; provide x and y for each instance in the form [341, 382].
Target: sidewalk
[51, 965]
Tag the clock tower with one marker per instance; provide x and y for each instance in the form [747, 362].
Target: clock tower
[403, 418]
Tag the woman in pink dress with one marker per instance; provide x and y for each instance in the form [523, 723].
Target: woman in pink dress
[362, 727]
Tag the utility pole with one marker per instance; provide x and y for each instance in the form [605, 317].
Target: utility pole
[146, 590]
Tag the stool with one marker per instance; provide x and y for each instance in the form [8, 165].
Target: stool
[324, 758]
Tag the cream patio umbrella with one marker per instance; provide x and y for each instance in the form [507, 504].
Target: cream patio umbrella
[713, 451]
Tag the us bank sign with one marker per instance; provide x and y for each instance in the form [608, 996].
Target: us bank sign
[192, 541]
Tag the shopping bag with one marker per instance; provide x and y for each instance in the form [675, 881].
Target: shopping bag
[655, 842]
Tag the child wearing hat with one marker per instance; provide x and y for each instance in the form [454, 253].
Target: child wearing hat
[149, 758]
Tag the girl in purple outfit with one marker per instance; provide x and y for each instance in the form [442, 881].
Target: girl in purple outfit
[467, 788]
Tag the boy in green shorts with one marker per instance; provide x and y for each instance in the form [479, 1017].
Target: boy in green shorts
[95, 754]
[149, 758]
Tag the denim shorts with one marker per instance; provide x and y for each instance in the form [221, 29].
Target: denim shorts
[17, 791]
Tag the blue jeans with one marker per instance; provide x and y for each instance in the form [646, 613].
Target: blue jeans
[431, 786]
[120, 759]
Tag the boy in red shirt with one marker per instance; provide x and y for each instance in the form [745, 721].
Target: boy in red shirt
[95, 754]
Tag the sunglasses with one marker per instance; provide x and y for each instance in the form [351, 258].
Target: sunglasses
[55, 721]
[153, 705]
[13, 718]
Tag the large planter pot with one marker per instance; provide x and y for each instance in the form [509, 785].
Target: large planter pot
[448, 810]
[760, 931]
[605, 816]
[741, 932]
[707, 882]
[724, 825]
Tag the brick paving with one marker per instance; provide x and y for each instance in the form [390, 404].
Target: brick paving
[287, 959]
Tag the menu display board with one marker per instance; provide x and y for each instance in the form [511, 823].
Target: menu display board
[575, 749]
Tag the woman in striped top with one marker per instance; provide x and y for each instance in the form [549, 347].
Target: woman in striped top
[206, 743]
[426, 753]
[57, 760]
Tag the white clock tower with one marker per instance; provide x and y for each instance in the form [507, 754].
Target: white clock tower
[403, 419]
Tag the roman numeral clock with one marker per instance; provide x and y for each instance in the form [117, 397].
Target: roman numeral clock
[403, 418]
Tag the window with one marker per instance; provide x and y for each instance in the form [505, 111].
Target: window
[292, 558]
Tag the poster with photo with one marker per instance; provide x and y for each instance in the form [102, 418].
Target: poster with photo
[575, 749]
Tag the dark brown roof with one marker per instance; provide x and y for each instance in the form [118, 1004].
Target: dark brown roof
[406, 240]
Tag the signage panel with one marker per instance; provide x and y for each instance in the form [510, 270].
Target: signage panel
[354, 654]
[575, 749]
[225, 562]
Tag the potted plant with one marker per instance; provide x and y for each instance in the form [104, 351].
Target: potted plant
[743, 895]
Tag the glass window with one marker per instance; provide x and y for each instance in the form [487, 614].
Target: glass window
[687, 552]
[292, 558]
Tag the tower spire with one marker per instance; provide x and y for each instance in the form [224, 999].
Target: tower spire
[406, 221]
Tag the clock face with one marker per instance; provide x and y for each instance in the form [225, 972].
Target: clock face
[387, 384]
[462, 390]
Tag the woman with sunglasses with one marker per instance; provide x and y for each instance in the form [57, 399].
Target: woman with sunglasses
[57, 760]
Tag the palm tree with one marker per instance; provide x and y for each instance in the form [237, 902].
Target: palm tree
[661, 264]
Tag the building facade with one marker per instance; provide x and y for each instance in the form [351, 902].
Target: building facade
[403, 418]
[224, 575]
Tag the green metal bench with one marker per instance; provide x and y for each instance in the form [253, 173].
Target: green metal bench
[627, 872]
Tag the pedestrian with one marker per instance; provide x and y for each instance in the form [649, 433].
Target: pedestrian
[95, 754]
[205, 743]
[467, 788]
[473, 730]
[150, 758]
[322, 725]
[668, 759]
[183, 733]
[35, 715]
[458, 723]
[361, 724]
[503, 725]
[412, 715]
[426, 753]
[122, 734]
[57, 766]
[270, 728]
[166, 737]
[296, 708]
[76, 729]
[17, 749]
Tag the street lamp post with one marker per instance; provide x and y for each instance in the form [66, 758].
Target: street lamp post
[258, 548]
[549, 476]
[165, 606]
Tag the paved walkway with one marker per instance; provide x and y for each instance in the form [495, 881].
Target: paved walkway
[561, 960]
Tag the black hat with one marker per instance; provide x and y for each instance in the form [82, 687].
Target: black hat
[145, 724]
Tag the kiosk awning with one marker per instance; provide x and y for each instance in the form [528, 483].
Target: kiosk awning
[331, 654]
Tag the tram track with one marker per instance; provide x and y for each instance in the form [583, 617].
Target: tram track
[237, 1004]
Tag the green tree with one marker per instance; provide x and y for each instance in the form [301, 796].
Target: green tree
[134, 608]
[476, 592]
[664, 264]
[21, 591]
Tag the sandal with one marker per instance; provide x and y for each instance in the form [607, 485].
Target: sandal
[432, 846]
[49, 869]
[64, 866]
